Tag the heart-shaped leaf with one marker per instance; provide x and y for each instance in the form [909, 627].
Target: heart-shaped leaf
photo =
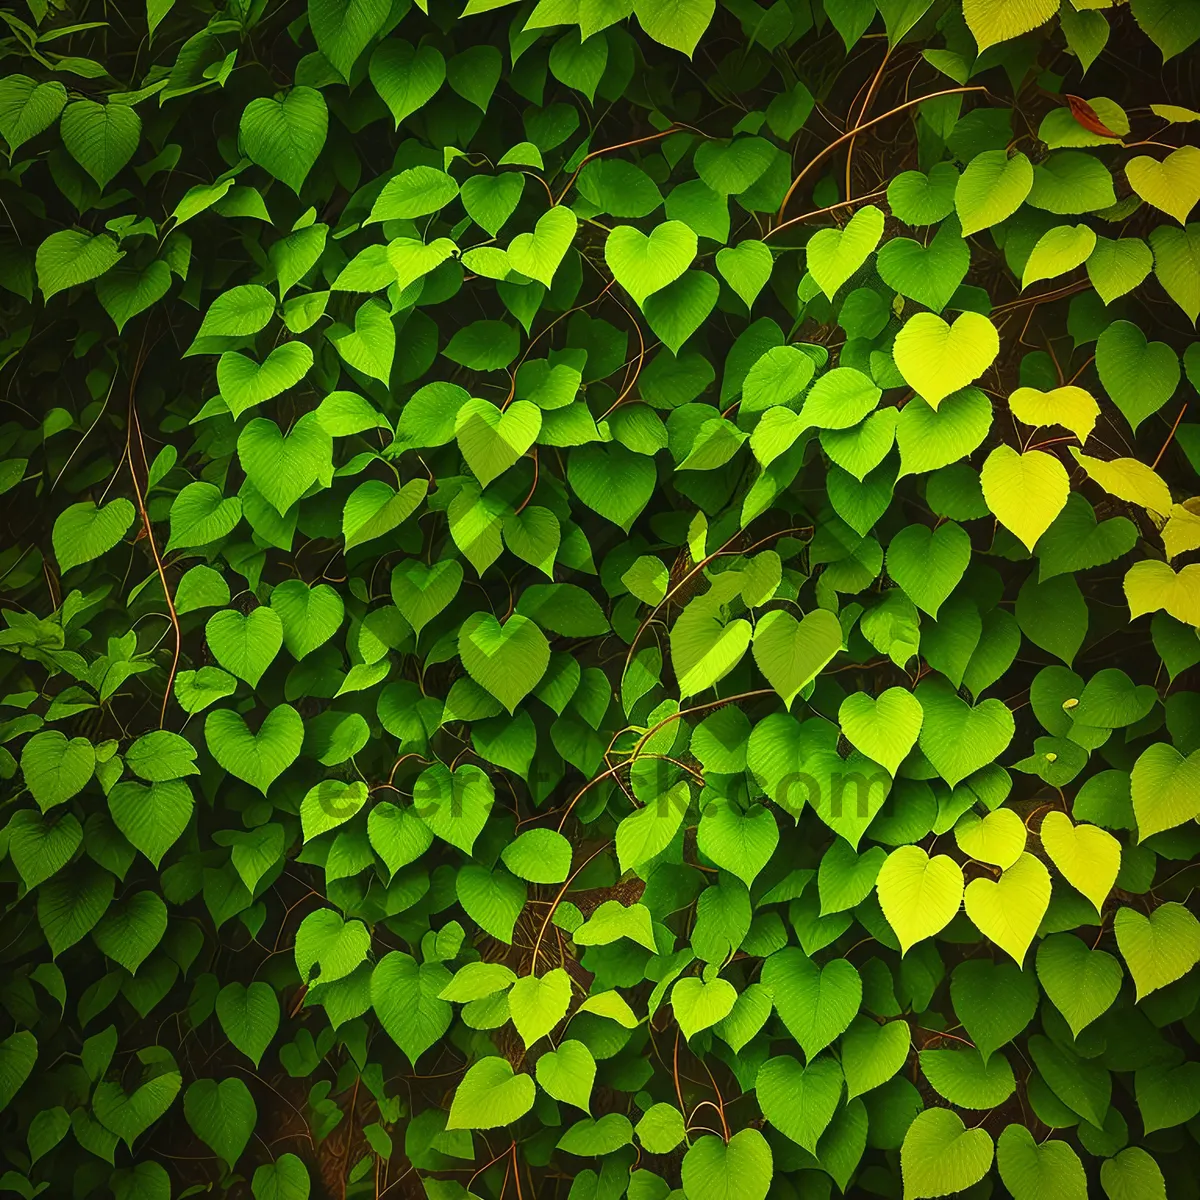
[245, 645]
[833, 255]
[937, 359]
[1158, 948]
[375, 508]
[568, 1074]
[490, 1095]
[344, 29]
[928, 563]
[714, 1169]
[1139, 375]
[283, 468]
[257, 758]
[454, 806]
[309, 616]
[406, 997]
[1081, 983]
[919, 895]
[245, 383]
[1032, 1170]
[492, 441]
[816, 1003]
[1025, 492]
[698, 1005]
[249, 1017]
[506, 660]
[746, 267]
[928, 274]
[538, 254]
[129, 1115]
[1009, 911]
[1071, 407]
[407, 78]
[1165, 787]
[420, 592]
[285, 136]
[644, 264]
[995, 1001]
[791, 653]
[370, 347]
[958, 739]
[83, 531]
[941, 1157]
[56, 769]
[873, 1053]
[1173, 185]
[998, 838]
[885, 728]
[222, 1115]
[1088, 857]
[799, 1101]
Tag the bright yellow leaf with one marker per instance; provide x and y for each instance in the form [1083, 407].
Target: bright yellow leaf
[1129, 480]
[1151, 585]
[1073, 408]
[1025, 492]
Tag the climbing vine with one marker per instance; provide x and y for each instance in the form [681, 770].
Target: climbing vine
[599, 599]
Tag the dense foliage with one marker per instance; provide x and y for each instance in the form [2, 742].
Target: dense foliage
[600, 598]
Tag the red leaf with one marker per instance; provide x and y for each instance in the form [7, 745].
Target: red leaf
[1087, 116]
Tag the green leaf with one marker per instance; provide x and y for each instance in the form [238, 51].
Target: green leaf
[245, 383]
[405, 996]
[1031, 1169]
[491, 441]
[1172, 186]
[257, 758]
[539, 254]
[698, 1005]
[992, 187]
[1132, 1175]
[344, 29]
[993, 21]
[959, 739]
[792, 653]
[928, 274]
[833, 255]
[18, 1054]
[506, 660]
[454, 806]
[873, 1053]
[284, 1179]
[245, 645]
[940, 1156]
[28, 108]
[886, 728]
[249, 1017]
[131, 929]
[72, 257]
[644, 264]
[713, 1169]
[1081, 983]
[800, 1101]
[1159, 948]
[153, 818]
[675, 23]
[374, 509]
[286, 136]
[1138, 375]
[994, 1001]
[490, 1095]
[816, 1003]
[746, 267]
[310, 616]
[201, 514]
[84, 532]
[222, 1115]
[568, 1074]
[539, 856]
[407, 78]
[101, 138]
[537, 1004]
[56, 769]
[739, 842]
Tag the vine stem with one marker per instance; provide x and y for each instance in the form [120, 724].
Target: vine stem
[824, 153]
[135, 426]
